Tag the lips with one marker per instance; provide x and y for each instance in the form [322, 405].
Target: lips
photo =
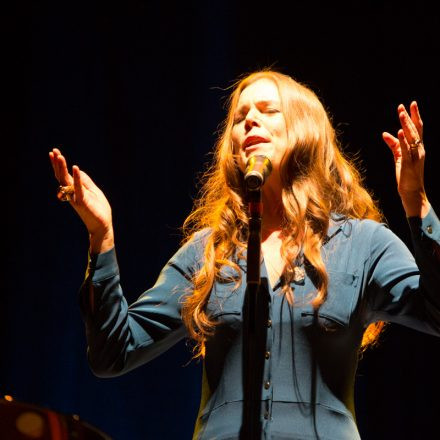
[253, 140]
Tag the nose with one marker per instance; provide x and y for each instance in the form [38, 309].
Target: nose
[252, 119]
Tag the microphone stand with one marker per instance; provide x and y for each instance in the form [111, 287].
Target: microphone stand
[255, 316]
[253, 278]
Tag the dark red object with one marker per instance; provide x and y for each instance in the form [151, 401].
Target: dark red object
[23, 421]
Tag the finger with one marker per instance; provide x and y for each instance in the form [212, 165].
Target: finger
[58, 167]
[61, 168]
[64, 176]
[77, 184]
[416, 118]
[404, 146]
[408, 127]
[393, 143]
[52, 162]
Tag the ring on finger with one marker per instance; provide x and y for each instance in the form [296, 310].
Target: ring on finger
[416, 144]
[65, 193]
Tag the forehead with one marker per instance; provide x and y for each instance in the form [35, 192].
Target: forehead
[262, 89]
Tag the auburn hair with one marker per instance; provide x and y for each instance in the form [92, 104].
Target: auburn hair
[317, 180]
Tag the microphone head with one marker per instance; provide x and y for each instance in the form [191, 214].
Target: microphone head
[258, 169]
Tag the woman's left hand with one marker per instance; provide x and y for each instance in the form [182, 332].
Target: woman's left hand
[409, 158]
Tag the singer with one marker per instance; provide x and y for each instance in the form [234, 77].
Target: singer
[331, 272]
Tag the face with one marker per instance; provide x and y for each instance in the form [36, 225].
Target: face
[259, 124]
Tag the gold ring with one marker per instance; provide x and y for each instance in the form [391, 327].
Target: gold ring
[415, 144]
[65, 193]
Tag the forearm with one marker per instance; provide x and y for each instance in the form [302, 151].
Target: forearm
[415, 204]
[426, 241]
[400, 289]
[120, 337]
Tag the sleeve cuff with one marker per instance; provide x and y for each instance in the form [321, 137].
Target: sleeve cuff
[428, 226]
[103, 266]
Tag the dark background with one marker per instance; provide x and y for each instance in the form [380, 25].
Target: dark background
[134, 95]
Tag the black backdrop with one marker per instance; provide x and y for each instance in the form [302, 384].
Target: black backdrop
[134, 95]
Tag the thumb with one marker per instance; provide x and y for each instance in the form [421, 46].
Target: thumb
[393, 144]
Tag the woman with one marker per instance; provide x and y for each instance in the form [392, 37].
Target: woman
[331, 273]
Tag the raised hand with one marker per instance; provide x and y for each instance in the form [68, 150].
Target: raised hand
[409, 158]
[88, 201]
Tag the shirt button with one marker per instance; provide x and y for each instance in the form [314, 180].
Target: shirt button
[267, 385]
[429, 229]
[269, 323]
[267, 354]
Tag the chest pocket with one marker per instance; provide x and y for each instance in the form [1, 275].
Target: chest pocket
[225, 297]
[336, 311]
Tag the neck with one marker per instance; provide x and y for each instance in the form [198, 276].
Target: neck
[272, 208]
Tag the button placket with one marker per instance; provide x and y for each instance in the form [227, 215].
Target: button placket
[267, 412]
[267, 384]
[267, 389]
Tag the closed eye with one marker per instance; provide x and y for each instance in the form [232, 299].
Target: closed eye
[241, 118]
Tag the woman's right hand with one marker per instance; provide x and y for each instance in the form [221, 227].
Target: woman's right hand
[88, 201]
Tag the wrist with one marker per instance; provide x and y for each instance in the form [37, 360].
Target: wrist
[102, 241]
[415, 203]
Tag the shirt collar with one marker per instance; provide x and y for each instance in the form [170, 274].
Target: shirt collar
[336, 224]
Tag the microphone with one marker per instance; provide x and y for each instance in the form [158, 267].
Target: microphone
[257, 170]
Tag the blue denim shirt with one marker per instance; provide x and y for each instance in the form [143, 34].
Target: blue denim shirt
[310, 359]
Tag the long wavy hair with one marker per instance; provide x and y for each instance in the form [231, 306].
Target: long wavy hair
[317, 180]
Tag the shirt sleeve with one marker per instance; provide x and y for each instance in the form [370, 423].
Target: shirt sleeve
[122, 337]
[403, 288]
